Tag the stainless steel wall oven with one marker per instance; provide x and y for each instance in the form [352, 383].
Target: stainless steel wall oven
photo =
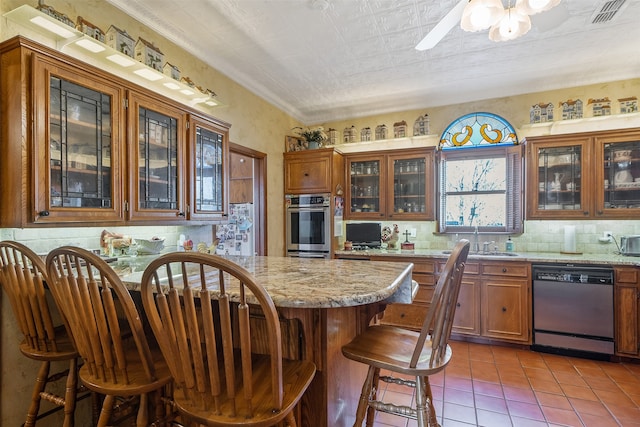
[308, 225]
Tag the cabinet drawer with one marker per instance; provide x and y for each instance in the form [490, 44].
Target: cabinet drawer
[515, 269]
[469, 267]
[626, 275]
[424, 278]
[424, 295]
[407, 316]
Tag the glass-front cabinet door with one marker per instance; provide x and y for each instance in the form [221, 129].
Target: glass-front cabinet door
[366, 194]
[412, 185]
[618, 175]
[156, 149]
[207, 169]
[78, 144]
[558, 186]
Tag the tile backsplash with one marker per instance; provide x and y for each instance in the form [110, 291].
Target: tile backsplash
[538, 236]
[42, 240]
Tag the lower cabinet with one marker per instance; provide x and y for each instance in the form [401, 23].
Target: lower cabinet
[627, 315]
[494, 300]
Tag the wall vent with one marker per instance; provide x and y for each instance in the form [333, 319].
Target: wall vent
[608, 11]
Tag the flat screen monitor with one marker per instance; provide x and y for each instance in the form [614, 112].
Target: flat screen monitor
[364, 234]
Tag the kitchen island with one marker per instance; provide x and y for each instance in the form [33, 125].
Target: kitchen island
[331, 301]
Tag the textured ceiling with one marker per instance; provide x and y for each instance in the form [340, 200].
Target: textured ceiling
[356, 57]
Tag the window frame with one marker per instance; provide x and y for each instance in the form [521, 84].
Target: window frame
[514, 221]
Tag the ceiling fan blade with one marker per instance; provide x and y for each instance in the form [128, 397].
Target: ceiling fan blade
[443, 27]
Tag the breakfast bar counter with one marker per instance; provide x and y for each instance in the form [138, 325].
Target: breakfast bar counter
[332, 301]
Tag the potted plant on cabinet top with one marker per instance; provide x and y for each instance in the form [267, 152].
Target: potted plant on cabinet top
[313, 137]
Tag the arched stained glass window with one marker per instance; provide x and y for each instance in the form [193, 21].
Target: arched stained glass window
[477, 130]
[480, 177]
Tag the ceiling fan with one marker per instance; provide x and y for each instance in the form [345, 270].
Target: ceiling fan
[506, 23]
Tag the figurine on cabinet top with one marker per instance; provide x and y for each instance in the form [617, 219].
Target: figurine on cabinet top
[400, 129]
[421, 126]
[89, 29]
[121, 41]
[628, 105]
[571, 109]
[365, 134]
[148, 54]
[541, 112]
[600, 106]
[381, 132]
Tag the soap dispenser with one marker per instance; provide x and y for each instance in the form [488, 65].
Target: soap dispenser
[509, 245]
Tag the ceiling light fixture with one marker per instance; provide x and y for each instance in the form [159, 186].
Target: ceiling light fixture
[504, 23]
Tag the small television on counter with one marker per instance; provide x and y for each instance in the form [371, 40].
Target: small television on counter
[364, 234]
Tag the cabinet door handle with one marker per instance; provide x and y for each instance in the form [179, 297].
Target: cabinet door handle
[458, 304]
[43, 213]
[504, 309]
[504, 269]
[306, 174]
[181, 214]
[585, 213]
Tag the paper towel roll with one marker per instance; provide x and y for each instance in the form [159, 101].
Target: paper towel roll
[569, 238]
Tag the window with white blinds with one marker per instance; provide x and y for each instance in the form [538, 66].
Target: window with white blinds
[481, 188]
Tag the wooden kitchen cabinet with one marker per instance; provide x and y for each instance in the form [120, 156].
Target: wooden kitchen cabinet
[505, 300]
[240, 178]
[314, 172]
[627, 313]
[584, 176]
[77, 145]
[207, 169]
[82, 146]
[391, 185]
[467, 318]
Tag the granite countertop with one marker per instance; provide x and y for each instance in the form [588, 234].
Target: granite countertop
[307, 283]
[533, 257]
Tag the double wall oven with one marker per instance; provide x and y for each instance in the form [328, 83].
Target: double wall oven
[308, 225]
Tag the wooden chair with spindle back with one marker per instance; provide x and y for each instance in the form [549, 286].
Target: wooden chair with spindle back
[23, 276]
[194, 302]
[418, 354]
[116, 364]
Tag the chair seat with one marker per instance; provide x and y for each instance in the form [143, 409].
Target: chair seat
[297, 375]
[138, 381]
[65, 349]
[373, 348]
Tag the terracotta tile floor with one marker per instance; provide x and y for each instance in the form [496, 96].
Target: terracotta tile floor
[493, 386]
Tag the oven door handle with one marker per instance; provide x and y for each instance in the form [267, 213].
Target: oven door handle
[308, 254]
[309, 209]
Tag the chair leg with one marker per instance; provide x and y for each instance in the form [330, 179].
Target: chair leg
[373, 395]
[142, 418]
[71, 393]
[290, 420]
[363, 403]
[41, 382]
[426, 412]
[107, 410]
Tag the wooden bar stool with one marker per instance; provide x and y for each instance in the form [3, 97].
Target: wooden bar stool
[23, 277]
[412, 353]
[116, 364]
[219, 380]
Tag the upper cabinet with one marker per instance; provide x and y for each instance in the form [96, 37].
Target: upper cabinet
[590, 175]
[386, 185]
[313, 172]
[101, 149]
[157, 182]
[78, 134]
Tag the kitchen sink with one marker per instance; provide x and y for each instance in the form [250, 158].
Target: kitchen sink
[505, 254]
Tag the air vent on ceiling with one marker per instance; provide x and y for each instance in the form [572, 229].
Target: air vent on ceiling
[607, 12]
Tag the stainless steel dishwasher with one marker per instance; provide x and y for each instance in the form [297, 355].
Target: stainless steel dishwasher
[573, 309]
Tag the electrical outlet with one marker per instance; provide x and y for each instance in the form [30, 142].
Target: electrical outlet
[412, 232]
